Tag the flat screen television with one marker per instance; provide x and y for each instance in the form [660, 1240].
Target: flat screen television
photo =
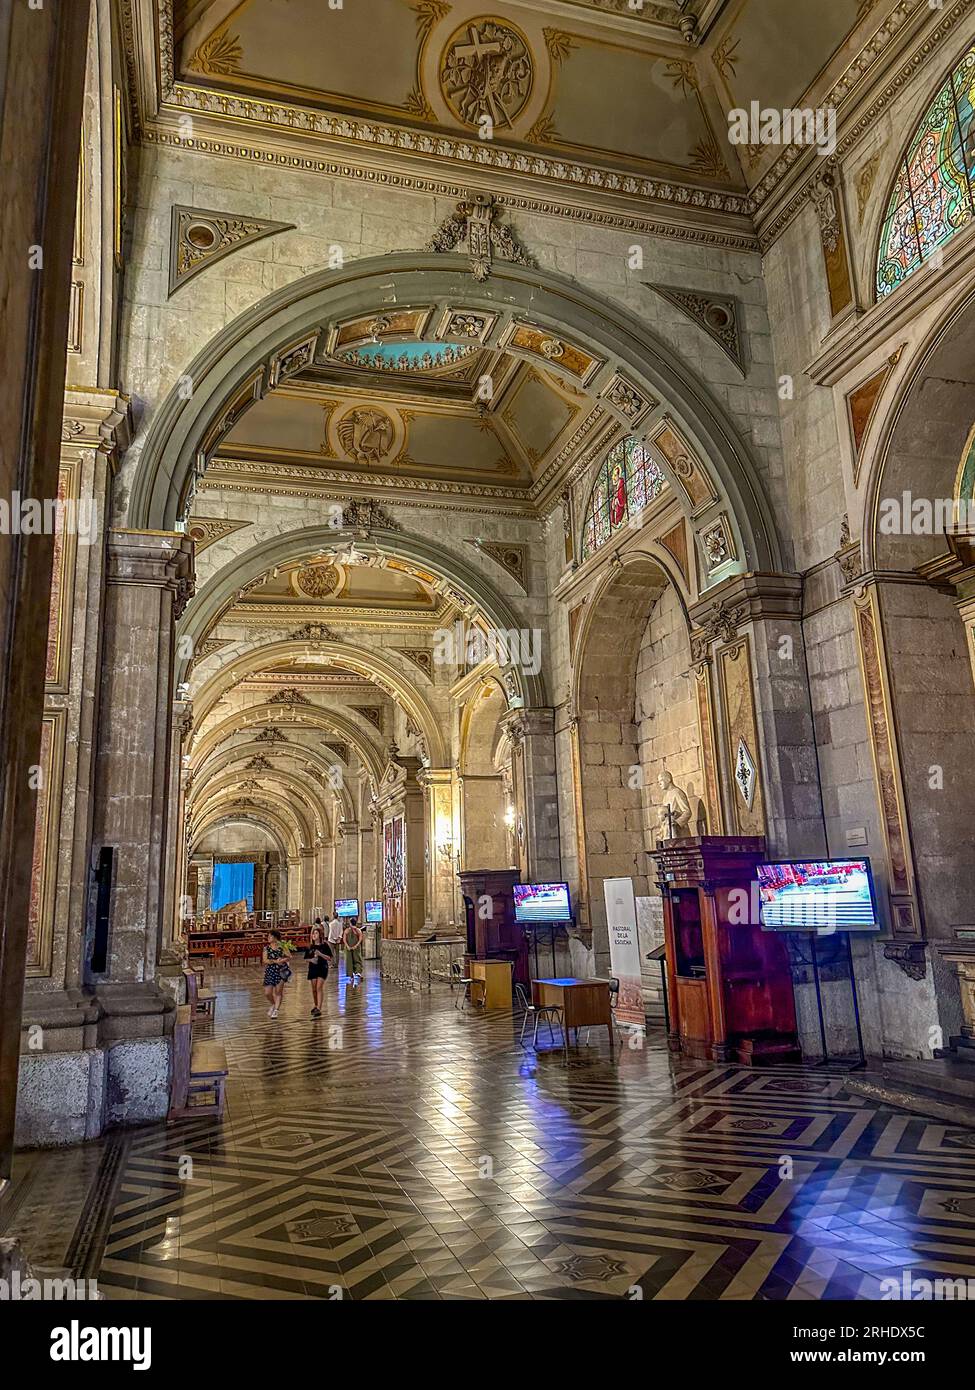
[542, 902]
[347, 907]
[817, 895]
[374, 910]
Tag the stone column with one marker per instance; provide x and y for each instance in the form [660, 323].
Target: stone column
[747, 642]
[347, 860]
[148, 582]
[42, 66]
[327, 855]
[294, 883]
[367, 861]
[307, 882]
[440, 850]
[205, 889]
[532, 734]
[57, 1006]
[172, 955]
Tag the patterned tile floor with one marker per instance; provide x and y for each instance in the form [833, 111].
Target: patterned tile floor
[398, 1149]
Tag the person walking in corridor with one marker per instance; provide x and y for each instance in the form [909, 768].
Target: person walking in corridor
[352, 940]
[319, 957]
[335, 940]
[276, 972]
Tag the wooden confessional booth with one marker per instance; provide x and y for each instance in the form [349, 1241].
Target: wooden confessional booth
[729, 986]
[494, 936]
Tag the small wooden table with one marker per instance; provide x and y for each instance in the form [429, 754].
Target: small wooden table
[492, 983]
[583, 1003]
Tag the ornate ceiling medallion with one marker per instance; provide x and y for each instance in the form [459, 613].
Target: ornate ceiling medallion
[366, 434]
[318, 581]
[486, 71]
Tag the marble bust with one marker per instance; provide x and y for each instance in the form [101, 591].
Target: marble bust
[674, 809]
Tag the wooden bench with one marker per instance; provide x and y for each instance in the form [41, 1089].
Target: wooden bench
[203, 1002]
[199, 1069]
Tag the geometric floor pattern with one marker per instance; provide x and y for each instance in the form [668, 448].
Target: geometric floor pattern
[398, 1149]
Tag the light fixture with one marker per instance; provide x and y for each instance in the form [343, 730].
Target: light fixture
[509, 817]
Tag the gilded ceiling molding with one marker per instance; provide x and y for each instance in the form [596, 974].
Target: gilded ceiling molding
[248, 475]
[685, 198]
[716, 314]
[199, 237]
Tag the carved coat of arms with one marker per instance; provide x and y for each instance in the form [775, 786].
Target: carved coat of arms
[366, 435]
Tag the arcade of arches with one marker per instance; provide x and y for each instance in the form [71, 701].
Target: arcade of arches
[450, 505]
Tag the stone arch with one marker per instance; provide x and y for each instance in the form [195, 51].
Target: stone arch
[923, 438]
[259, 814]
[485, 787]
[243, 361]
[633, 644]
[222, 757]
[291, 812]
[343, 654]
[305, 796]
[204, 612]
[914, 618]
[311, 716]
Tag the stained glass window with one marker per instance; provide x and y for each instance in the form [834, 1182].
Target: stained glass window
[627, 481]
[933, 195]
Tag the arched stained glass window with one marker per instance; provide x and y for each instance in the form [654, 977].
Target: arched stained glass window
[933, 195]
[627, 481]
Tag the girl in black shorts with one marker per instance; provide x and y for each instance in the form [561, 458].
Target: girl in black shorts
[318, 955]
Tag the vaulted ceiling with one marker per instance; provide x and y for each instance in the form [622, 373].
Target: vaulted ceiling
[636, 89]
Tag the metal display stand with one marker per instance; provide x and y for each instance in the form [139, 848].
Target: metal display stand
[553, 928]
[815, 962]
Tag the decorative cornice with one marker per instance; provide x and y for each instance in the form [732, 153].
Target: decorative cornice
[232, 473]
[678, 196]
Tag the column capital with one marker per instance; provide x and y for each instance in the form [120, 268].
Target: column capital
[156, 559]
[95, 418]
[435, 776]
[739, 600]
[525, 723]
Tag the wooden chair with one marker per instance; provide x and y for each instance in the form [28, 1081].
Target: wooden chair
[203, 1002]
[199, 1069]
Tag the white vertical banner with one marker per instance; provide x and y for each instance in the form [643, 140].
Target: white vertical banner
[624, 949]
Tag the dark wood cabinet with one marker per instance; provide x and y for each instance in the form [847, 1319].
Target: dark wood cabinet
[729, 986]
[492, 932]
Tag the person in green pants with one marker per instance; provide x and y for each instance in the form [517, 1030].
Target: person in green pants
[352, 941]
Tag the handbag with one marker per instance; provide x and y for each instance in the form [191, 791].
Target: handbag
[284, 972]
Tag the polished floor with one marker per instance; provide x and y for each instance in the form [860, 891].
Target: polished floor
[398, 1149]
